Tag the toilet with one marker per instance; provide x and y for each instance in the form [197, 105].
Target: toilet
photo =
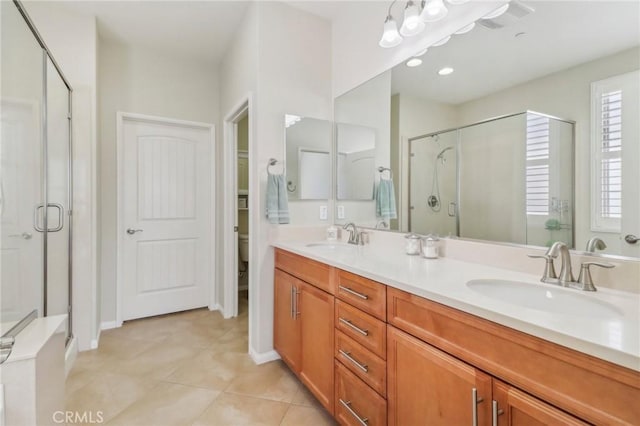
[243, 245]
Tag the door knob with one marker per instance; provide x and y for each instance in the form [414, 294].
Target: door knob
[132, 231]
[631, 239]
[25, 235]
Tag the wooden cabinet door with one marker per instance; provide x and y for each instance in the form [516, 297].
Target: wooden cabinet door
[517, 408]
[316, 317]
[286, 324]
[426, 386]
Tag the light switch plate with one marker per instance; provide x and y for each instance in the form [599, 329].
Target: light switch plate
[324, 213]
[340, 212]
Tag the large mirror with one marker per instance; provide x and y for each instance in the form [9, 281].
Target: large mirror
[308, 159]
[523, 129]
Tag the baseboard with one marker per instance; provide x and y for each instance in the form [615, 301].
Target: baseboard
[264, 357]
[95, 342]
[215, 307]
[107, 325]
[70, 355]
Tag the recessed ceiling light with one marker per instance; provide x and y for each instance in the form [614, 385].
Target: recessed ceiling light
[445, 71]
[420, 53]
[414, 62]
[441, 42]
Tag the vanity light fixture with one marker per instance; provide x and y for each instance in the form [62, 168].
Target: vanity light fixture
[412, 23]
[420, 53]
[445, 71]
[290, 120]
[457, 1]
[434, 10]
[390, 37]
[441, 42]
[498, 12]
[466, 29]
[414, 62]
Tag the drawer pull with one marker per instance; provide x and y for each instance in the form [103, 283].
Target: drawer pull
[347, 405]
[348, 356]
[354, 327]
[355, 293]
[474, 406]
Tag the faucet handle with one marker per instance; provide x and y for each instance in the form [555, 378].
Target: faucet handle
[549, 268]
[584, 279]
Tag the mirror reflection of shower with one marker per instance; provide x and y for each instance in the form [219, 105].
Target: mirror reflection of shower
[433, 200]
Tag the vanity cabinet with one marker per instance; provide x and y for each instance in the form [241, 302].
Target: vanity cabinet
[303, 325]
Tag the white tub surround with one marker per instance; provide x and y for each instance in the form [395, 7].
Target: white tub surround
[444, 280]
[33, 376]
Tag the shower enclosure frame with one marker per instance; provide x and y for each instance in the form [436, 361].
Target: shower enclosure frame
[457, 150]
[48, 56]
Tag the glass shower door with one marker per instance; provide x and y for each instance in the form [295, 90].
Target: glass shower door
[21, 160]
[58, 200]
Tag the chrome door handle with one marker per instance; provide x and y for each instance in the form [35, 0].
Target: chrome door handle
[36, 221]
[347, 405]
[60, 217]
[631, 239]
[358, 364]
[353, 292]
[25, 235]
[132, 231]
[354, 327]
[474, 406]
[495, 412]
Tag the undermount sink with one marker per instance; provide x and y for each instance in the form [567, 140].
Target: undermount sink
[331, 245]
[542, 298]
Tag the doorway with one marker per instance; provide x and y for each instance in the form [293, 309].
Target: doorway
[164, 215]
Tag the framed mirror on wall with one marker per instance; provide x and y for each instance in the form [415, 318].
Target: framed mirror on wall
[308, 144]
[522, 130]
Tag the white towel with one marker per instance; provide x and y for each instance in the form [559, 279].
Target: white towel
[277, 202]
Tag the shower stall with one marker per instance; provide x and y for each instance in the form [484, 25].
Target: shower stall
[506, 179]
[35, 178]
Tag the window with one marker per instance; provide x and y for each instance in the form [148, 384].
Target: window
[537, 167]
[606, 116]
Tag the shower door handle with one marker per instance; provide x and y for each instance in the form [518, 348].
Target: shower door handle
[60, 217]
[37, 217]
[452, 210]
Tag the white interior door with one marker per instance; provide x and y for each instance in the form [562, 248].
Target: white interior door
[166, 217]
[630, 223]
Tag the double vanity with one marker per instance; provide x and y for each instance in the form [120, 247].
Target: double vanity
[384, 338]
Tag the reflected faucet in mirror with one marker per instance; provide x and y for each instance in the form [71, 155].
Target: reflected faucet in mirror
[595, 243]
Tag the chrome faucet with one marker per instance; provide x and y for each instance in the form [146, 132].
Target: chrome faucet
[566, 272]
[595, 243]
[382, 224]
[354, 235]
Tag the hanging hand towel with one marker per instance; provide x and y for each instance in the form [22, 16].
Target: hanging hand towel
[277, 203]
[386, 200]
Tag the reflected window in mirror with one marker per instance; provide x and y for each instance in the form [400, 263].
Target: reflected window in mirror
[308, 159]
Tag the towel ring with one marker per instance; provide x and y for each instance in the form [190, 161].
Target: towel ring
[381, 170]
[272, 162]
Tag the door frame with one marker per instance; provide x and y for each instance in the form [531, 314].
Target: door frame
[121, 117]
[230, 201]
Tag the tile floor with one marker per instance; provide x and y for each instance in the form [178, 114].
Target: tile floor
[189, 368]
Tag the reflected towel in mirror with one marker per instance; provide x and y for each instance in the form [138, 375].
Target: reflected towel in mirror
[386, 200]
[277, 202]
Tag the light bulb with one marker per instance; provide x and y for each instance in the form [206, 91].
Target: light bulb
[445, 71]
[499, 11]
[414, 62]
[390, 36]
[457, 1]
[412, 24]
[466, 28]
[434, 10]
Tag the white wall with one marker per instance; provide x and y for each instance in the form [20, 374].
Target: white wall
[357, 30]
[142, 81]
[565, 94]
[72, 40]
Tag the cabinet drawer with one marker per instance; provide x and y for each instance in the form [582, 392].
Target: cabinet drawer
[370, 332]
[315, 273]
[356, 403]
[362, 362]
[363, 293]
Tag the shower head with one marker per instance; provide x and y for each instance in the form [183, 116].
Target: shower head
[440, 156]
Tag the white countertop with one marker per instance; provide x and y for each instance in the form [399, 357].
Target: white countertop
[34, 336]
[444, 280]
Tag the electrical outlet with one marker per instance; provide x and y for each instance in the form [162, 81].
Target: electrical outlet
[340, 212]
[324, 213]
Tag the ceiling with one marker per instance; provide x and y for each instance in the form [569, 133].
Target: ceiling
[558, 36]
[200, 30]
